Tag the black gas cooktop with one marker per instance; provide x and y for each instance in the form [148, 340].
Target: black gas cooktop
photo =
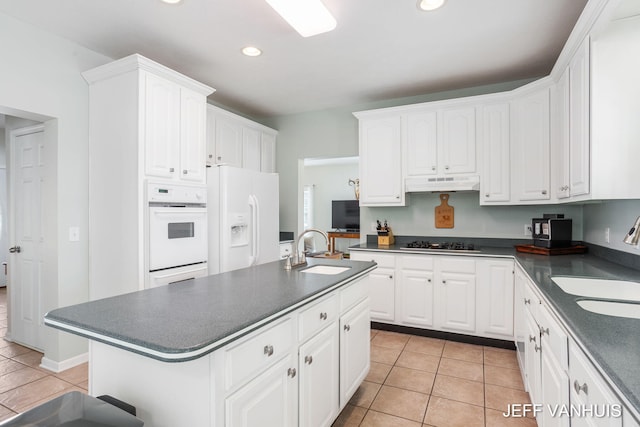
[422, 245]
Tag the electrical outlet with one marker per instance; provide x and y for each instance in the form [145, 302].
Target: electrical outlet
[374, 226]
[527, 229]
[606, 235]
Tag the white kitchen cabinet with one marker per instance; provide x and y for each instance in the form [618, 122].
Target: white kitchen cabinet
[530, 142]
[174, 130]
[145, 122]
[458, 145]
[381, 284]
[381, 162]
[416, 291]
[319, 368]
[495, 286]
[579, 122]
[421, 152]
[495, 142]
[239, 142]
[355, 341]
[588, 390]
[560, 137]
[268, 152]
[269, 399]
[532, 359]
[455, 308]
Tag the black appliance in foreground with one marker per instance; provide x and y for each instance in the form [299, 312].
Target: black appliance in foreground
[551, 231]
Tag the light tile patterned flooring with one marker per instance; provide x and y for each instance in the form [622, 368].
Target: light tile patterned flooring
[23, 384]
[422, 382]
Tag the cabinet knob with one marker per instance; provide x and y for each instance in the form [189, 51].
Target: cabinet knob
[211, 156]
[537, 348]
[544, 191]
[446, 167]
[527, 301]
[268, 350]
[171, 170]
[390, 277]
[486, 195]
[544, 331]
[579, 387]
[433, 168]
[397, 197]
[444, 282]
[347, 328]
[323, 316]
[308, 360]
[291, 372]
[429, 280]
[184, 172]
[219, 157]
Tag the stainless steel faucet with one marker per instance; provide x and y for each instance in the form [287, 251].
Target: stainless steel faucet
[300, 258]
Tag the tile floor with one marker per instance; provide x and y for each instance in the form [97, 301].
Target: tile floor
[413, 382]
[421, 382]
[23, 384]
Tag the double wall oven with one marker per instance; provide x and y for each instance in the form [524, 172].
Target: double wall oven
[177, 233]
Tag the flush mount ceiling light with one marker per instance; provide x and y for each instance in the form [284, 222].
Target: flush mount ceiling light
[307, 17]
[430, 4]
[171, 1]
[251, 51]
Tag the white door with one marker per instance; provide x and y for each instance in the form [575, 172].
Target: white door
[193, 142]
[266, 220]
[458, 153]
[355, 344]
[25, 236]
[422, 144]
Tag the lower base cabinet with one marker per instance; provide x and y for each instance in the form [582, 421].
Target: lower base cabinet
[270, 399]
[318, 360]
[355, 339]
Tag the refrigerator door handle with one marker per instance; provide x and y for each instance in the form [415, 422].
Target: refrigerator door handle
[255, 232]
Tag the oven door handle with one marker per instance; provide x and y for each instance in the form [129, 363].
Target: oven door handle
[255, 232]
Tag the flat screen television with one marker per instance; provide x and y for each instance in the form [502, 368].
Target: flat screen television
[345, 215]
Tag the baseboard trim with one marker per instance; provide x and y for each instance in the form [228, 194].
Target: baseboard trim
[469, 339]
[57, 367]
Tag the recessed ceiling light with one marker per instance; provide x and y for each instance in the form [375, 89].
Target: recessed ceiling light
[430, 4]
[172, 1]
[251, 51]
[307, 17]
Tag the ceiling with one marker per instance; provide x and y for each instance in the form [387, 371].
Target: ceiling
[380, 49]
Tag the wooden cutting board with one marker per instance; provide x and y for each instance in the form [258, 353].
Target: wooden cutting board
[444, 213]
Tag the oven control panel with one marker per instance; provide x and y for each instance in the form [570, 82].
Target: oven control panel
[176, 193]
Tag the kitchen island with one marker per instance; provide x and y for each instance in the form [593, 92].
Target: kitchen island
[234, 348]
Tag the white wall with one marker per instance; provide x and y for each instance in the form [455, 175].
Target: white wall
[40, 79]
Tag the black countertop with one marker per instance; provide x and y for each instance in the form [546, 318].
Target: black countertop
[187, 320]
[612, 342]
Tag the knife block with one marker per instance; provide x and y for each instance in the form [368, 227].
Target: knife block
[385, 238]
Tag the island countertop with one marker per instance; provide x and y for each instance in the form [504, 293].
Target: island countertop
[186, 320]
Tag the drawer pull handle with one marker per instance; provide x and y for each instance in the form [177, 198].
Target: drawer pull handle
[544, 331]
[268, 350]
[536, 348]
[323, 316]
[347, 328]
[579, 387]
[308, 359]
[527, 301]
[532, 338]
[291, 372]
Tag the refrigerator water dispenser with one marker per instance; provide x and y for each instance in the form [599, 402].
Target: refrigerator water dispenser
[239, 230]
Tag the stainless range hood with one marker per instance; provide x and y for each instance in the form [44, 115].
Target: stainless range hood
[442, 183]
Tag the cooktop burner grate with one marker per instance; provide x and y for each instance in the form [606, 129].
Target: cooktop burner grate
[441, 246]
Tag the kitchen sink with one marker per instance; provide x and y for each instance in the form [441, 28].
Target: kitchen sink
[325, 269]
[599, 288]
[611, 308]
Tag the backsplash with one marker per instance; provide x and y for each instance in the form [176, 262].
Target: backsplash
[618, 216]
[471, 219]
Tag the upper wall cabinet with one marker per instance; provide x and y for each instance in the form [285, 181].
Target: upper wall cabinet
[530, 142]
[381, 162]
[236, 141]
[441, 142]
[495, 142]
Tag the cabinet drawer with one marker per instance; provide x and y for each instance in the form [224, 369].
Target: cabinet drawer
[382, 259]
[352, 294]
[316, 317]
[249, 358]
[554, 339]
[588, 388]
[457, 265]
[530, 300]
[417, 262]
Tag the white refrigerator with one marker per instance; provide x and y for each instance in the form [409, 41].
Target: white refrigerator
[244, 225]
